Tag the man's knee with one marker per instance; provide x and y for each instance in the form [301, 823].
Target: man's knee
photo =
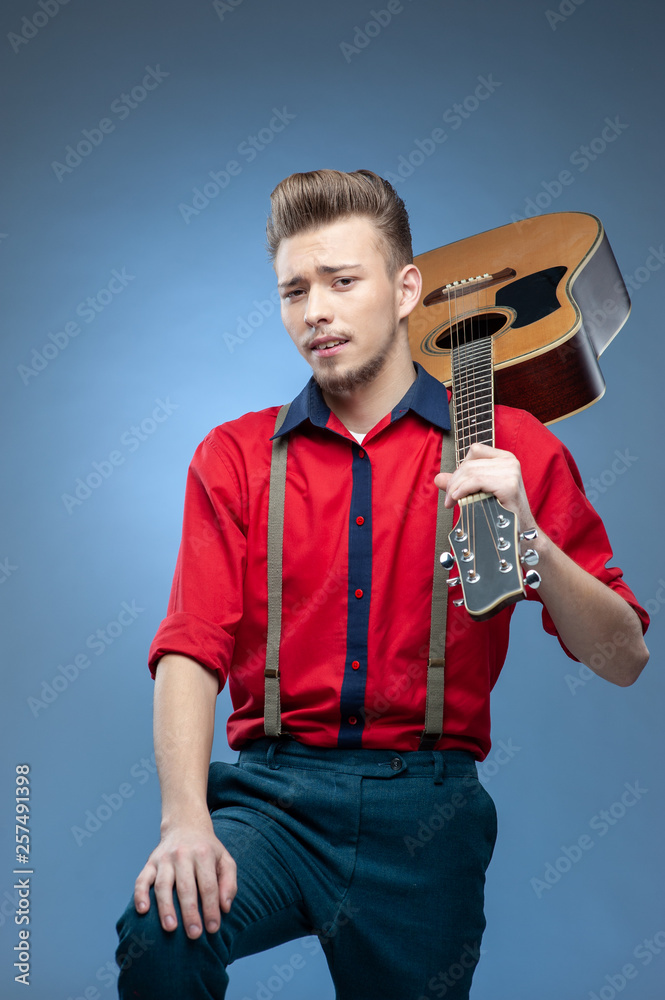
[145, 951]
[141, 940]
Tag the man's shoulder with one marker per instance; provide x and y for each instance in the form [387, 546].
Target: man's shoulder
[245, 440]
[517, 429]
[251, 428]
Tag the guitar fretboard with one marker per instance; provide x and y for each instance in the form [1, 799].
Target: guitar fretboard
[473, 395]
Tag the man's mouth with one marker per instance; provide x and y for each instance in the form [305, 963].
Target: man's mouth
[325, 348]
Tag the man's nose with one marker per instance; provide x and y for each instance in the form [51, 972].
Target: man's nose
[318, 310]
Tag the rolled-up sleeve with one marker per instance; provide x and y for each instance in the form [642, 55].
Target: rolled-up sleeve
[205, 604]
[560, 506]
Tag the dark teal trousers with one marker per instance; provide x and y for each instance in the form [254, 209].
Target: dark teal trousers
[382, 854]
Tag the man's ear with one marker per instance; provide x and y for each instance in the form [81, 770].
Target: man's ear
[410, 285]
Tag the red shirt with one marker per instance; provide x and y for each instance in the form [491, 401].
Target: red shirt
[357, 571]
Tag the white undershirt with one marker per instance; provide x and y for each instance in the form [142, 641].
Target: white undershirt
[358, 437]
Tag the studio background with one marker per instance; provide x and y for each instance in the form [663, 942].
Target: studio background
[138, 314]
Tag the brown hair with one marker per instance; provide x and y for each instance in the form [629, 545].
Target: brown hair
[307, 201]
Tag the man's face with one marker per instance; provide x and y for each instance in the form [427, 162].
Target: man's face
[339, 305]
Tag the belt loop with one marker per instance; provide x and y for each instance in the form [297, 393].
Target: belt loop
[439, 766]
[270, 757]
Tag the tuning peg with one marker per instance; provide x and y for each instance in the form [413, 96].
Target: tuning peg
[458, 603]
[532, 579]
[529, 536]
[447, 560]
[530, 557]
[452, 581]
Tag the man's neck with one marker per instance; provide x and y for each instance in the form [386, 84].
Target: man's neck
[363, 407]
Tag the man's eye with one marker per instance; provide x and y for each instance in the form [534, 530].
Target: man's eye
[345, 281]
[294, 294]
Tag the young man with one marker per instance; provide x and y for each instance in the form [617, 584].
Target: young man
[319, 830]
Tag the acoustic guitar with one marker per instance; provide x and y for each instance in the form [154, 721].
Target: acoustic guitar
[518, 315]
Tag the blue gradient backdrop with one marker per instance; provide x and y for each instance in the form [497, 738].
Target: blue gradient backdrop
[173, 333]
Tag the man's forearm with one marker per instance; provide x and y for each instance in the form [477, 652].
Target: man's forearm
[594, 622]
[189, 857]
[184, 720]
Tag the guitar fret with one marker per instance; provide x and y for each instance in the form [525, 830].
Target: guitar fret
[473, 394]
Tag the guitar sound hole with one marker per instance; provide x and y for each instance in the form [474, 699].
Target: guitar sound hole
[475, 327]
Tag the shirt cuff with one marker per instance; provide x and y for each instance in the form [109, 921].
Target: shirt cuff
[198, 638]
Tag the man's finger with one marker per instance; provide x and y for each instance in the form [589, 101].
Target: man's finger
[206, 878]
[164, 896]
[146, 878]
[227, 879]
[186, 888]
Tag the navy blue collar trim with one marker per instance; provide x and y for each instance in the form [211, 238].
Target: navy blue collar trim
[426, 396]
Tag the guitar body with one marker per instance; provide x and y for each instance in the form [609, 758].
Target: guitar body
[549, 321]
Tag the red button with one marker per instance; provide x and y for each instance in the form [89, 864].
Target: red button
[359, 593]
[352, 720]
[361, 454]
[360, 520]
[355, 664]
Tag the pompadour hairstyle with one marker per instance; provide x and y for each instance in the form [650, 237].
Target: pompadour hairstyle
[309, 200]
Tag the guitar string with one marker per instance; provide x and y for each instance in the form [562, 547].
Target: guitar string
[461, 405]
[470, 421]
[457, 387]
[490, 506]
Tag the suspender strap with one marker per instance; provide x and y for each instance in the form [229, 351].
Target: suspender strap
[437, 636]
[272, 722]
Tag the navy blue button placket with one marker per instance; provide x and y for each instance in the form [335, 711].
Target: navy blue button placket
[352, 697]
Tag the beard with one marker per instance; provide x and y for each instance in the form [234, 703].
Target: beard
[340, 383]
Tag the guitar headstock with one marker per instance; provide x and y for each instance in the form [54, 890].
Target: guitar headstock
[485, 543]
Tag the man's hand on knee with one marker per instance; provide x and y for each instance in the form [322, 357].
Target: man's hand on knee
[192, 859]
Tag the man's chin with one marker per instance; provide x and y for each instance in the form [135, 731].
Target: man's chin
[338, 383]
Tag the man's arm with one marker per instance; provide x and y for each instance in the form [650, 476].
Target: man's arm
[189, 855]
[585, 611]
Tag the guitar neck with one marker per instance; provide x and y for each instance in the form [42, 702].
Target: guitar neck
[473, 394]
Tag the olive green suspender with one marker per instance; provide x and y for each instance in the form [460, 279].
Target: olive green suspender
[437, 639]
